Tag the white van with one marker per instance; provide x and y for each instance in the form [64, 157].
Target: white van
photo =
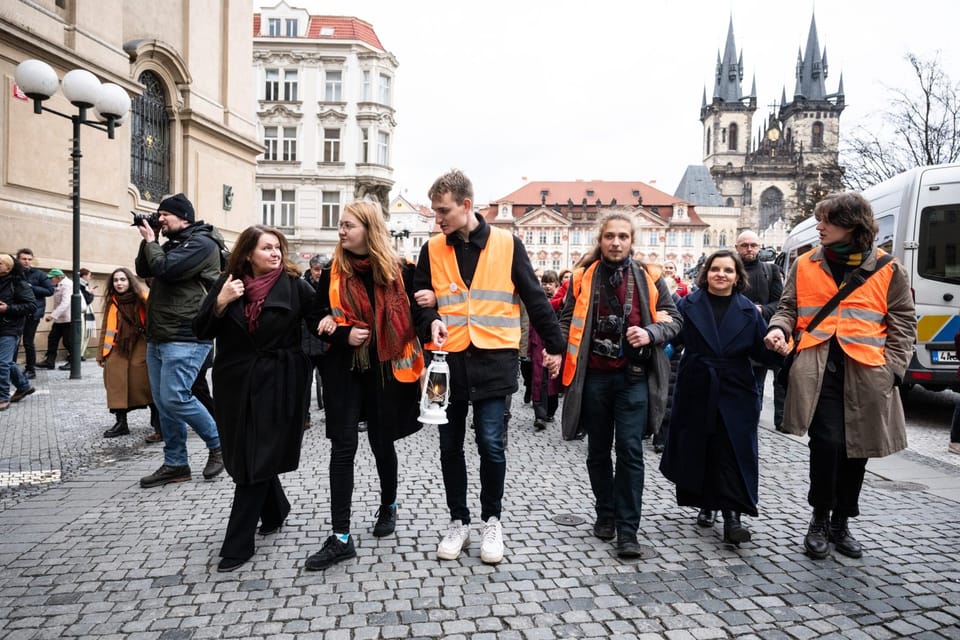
[918, 213]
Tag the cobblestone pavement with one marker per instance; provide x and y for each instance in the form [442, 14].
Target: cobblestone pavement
[85, 553]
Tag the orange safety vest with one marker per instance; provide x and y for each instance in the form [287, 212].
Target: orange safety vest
[409, 365]
[858, 321]
[110, 329]
[487, 313]
[582, 282]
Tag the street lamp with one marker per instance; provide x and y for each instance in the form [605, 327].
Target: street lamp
[111, 103]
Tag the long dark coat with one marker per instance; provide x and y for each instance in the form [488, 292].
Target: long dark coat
[259, 380]
[715, 380]
[125, 375]
[395, 411]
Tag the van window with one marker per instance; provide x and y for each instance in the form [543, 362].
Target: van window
[939, 240]
[885, 234]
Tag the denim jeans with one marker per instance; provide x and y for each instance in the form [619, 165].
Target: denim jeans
[614, 412]
[488, 415]
[10, 373]
[173, 367]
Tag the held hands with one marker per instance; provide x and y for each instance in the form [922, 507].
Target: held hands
[552, 363]
[638, 336]
[438, 331]
[358, 336]
[425, 298]
[327, 325]
[775, 341]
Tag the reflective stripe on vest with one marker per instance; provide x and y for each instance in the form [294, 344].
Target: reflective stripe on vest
[409, 365]
[486, 314]
[582, 284]
[110, 328]
[858, 321]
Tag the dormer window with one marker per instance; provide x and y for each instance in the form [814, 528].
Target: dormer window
[635, 193]
[326, 31]
[273, 27]
[291, 30]
[544, 193]
[589, 193]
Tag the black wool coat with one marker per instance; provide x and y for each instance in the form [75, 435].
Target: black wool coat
[259, 380]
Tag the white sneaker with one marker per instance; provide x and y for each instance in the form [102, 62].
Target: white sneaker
[491, 542]
[455, 540]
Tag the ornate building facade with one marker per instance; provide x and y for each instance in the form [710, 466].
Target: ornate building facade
[770, 177]
[326, 119]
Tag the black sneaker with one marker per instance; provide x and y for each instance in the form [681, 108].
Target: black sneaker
[165, 475]
[65, 366]
[332, 552]
[214, 466]
[386, 521]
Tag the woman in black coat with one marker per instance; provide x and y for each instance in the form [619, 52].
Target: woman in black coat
[260, 376]
[371, 372]
[711, 448]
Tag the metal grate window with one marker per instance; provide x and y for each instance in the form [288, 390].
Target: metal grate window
[150, 140]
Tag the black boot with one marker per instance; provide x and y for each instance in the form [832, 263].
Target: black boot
[842, 541]
[119, 428]
[816, 542]
[706, 518]
[733, 531]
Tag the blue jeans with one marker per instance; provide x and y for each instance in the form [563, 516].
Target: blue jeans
[613, 409]
[488, 420]
[9, 371]
[173, 368]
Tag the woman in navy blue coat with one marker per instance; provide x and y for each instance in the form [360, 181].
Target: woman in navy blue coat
[711, 449]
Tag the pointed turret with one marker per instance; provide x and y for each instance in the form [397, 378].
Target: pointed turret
[729, 71]
[811, 72]
[753, 87]
[703, 102]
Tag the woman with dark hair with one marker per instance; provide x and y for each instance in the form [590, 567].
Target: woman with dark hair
[711, 447]
[260, 377]
[545, 392]
[372, 370]
[845, 373]
[122, 351]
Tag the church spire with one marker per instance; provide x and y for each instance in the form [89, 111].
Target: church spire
[729, 71]
[812, 69]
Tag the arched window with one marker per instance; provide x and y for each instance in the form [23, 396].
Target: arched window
[722, 241]
[706, 238]
[150, 140]
[708, 142]
[732, 138]
[816, 135]
[771, 207]
[729, 202]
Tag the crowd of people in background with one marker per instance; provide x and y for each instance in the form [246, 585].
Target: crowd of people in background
[624, 350]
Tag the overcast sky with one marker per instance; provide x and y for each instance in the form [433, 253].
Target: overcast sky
[611, 89]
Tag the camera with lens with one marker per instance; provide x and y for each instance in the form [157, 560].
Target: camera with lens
[609, 327]
[608, 337]
[152, 219]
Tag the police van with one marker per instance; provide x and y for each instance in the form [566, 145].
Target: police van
[918, 214]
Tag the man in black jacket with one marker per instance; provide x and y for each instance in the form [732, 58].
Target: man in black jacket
[471, 280]
[42, 289]
[16, 303]
[766, 286]
[182, 271]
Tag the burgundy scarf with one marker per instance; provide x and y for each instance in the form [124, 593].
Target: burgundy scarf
[255, 291]
[389, 316]
[129, 325]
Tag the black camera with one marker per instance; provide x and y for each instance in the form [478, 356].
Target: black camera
[152, 219]
[609, 326]
[608, 337]
[607, 348]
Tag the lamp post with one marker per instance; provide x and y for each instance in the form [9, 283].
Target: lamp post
[111, 103]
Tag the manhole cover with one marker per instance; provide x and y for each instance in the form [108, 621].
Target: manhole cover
[890, 485]
[568, 519]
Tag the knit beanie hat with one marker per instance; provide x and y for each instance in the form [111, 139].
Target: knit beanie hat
[179, 206]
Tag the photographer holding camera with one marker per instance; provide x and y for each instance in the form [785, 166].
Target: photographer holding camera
[617, 314]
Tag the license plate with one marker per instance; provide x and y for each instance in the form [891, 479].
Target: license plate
[944, 356]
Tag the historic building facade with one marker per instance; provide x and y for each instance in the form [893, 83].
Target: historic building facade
[410, 226]
[191, 129]
[770, 177]
[324, 101]
[557, 221]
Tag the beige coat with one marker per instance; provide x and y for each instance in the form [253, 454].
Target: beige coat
[125, 375]
[873, 414]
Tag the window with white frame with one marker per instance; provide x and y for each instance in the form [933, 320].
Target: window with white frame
[271, 86]
[688, 238]
[528, 237]
[273, 27]
[330, 210]
[366, 86]
[383, 148]
[270, 141]
[364, 146]
[288, 208]
[385, 89]
[268, 206]
[556, 237]
[652, 238]
[576, 237]
[672, 238]
[292, 28]
[289, 144]
[290, 85]
[555, 265]
[543, 236]
[331, 145]
[333, 86]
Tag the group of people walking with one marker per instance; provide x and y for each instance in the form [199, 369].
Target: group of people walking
[845, 317]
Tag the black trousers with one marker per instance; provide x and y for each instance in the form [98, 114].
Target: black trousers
[835, 479]
[261, 501]
[342, 455]
[29, 346]
[59, 331]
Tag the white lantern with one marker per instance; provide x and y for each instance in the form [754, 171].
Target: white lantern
[81, 88]
[436, 391]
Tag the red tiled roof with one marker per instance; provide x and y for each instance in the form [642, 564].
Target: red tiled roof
[344, 28]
